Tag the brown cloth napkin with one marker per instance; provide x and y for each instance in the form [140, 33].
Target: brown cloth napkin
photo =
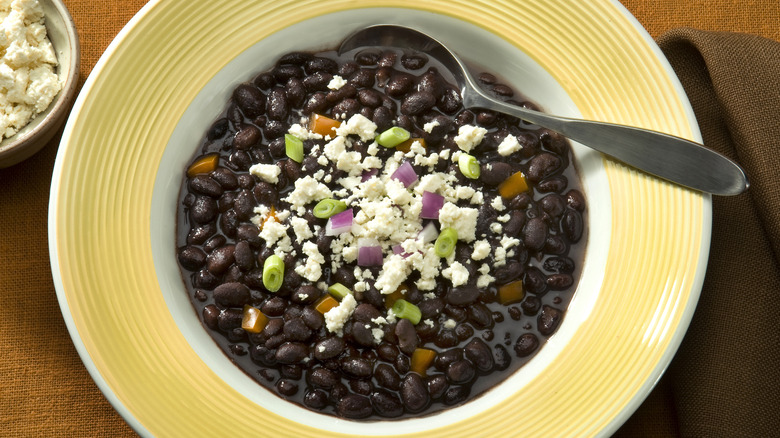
[725, 379]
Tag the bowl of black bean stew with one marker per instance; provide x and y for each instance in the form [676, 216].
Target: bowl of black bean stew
[364, 247]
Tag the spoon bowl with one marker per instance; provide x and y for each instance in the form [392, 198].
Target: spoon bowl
[672, 158]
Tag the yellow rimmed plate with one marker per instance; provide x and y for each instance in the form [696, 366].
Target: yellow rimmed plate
[167, 75]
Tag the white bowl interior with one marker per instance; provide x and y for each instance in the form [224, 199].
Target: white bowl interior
[474, 44]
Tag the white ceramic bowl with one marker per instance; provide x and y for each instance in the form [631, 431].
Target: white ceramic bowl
[33, 137]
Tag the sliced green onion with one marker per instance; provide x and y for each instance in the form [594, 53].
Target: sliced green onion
[393, 137]
[293, 146]
[404, 309]
[469, 166]
[338, 291]
[445, 243]
[273, 273]
[328, 207]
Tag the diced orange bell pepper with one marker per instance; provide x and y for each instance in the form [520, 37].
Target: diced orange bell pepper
[204, 164]
[422, 358]
[323, 125]
[407, 145]
[513, 186]
[395, 296]
[325, 303]
[511, 292]
[254, 320]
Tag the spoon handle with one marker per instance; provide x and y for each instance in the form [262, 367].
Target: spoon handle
[672, 158]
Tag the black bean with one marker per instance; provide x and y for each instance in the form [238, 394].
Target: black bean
[559, 281]
[320, 64]
[479, 354]
[218, 129]
[328, 348]
[447, 357]
[553, 204]
[387, 352]
[414, 393]
[368, 57]
[210, 316]
[240, 160]
[244, 256]
[247, 137]
[535, 234]
[526, 344]
[487, 118]
[201, 233]
[487, 78]
[346, 108]
[417, 102]
[291, 352]
[347, 91]
[386, 403]
[407, 336]
[501, 357]
[229, 222]
[296, 330]
[383, 118]
[548, 320]
[386, 377]
[225, 177]
[558, 264]
[323, 377]
[509, 272]
[446, 338]
[220, 259]
[502, 90]
[354, 406]
[214, 242]
[432, 83]
[461, 371]
[250, 99]
[495, 172]
[572, 225]
[542, 166]
[315, 399]
[192, 258]
[286, 387]
[399, 84]
[205, 280]
[369, 97]
[455, 394]
[357, 367]
[464, 331]
[535, 281]
[277, 106]
[462, 295]
[204, 185]
[274, 306]
[361, 333]
[450, 101]
[555, 184]
[283, 73]
[306, 294]
[232, 295]
[363, 78]
[414, 61]
[365, 312]
[294, 58]
[402, 363]
[431, 307]
[203, 210]
[265, 193]
[575, 200]
[229, 319]
[437, 385]
[480, 315]
[317, 103]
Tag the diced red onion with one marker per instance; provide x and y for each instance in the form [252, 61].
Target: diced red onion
[399, 249]
[429, 233]
[406, 174]
[431, 204]
[339, 223]
[369, 252]
[368, 174]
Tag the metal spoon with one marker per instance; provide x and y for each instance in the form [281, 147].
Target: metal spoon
[672, 158]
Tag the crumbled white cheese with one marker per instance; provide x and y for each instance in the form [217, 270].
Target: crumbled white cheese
[509, 145]
[311, 269]
[301, 229]
[336, 317]
[337, 82]
[498, 204]
[28, 82]
[469, 136]
[394, 272]
[358, 125]
[485, 280]
[481, 250]
[303, 133]
[266, 172]
[462, 219]
[307, 189]
[428, 127]
[496, 228]
[457, 273]
[450, 324]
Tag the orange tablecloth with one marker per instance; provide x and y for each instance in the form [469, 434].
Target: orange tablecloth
[45, 389]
